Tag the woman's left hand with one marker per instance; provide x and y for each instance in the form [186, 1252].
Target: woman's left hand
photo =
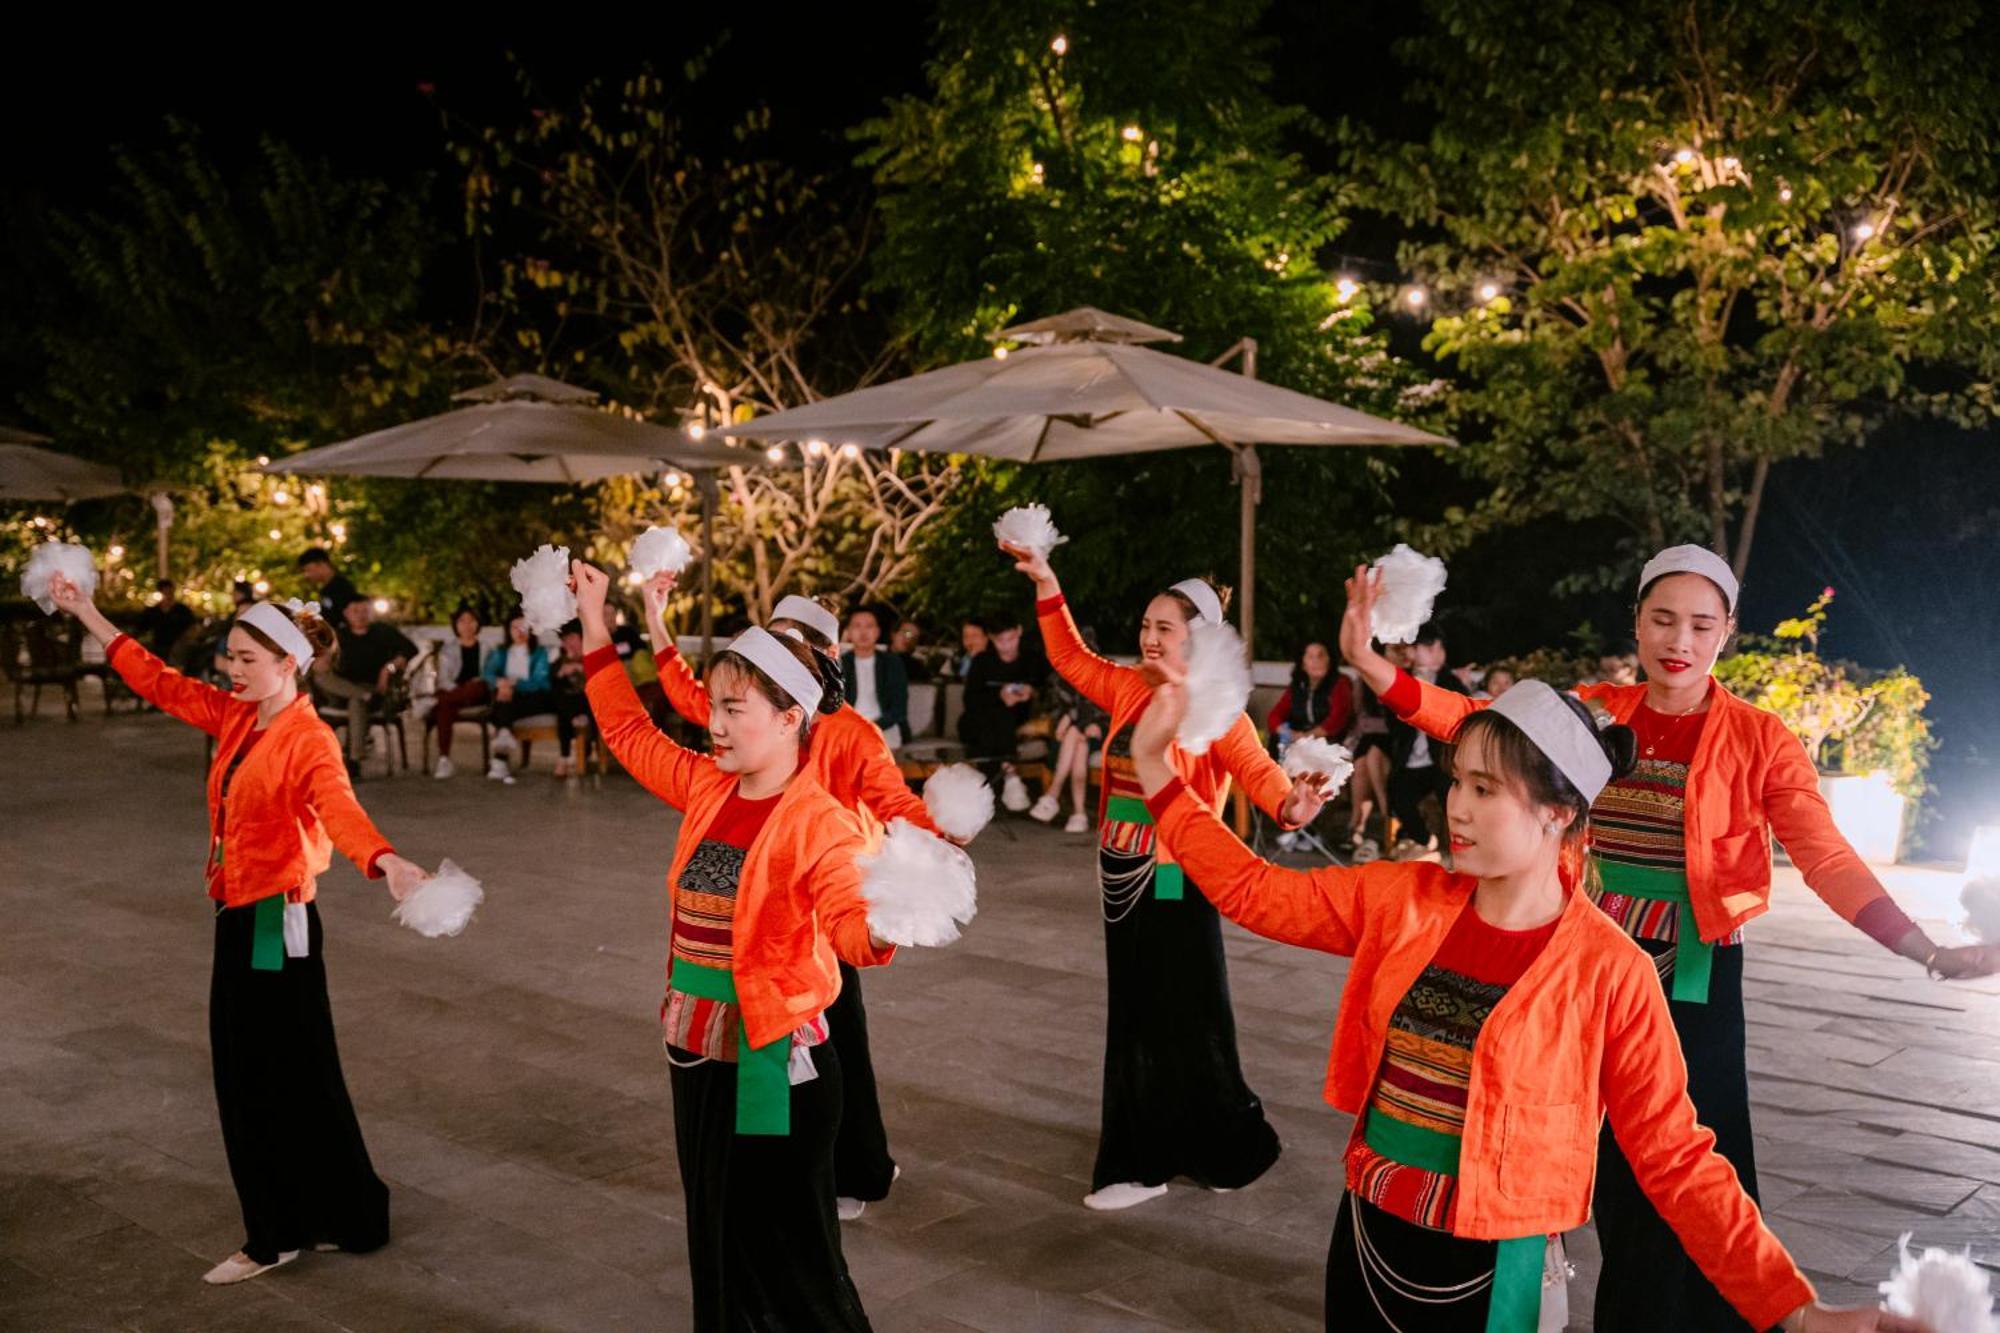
[403, 875]
[1308, 797]
[1964, 961]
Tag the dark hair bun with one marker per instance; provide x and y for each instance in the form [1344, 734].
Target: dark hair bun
[833, 688]
[1621, 747]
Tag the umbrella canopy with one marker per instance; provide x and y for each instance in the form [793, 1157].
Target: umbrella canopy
[1077, 396]
[1087, 387]
[524, 428]
[29, 473]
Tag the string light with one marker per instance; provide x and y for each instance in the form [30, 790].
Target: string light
[999, 354]
[1488, 291]
[261, 586]
[339, 531]
[1415, 298]
[850, 451]
[281, 496]
[315, 492]
[1684, 156]
[1730, 164]
[381, 605]
[1038, 173]
[634, 577]
[263, 460]
[1863, 230]
[277, 534]
[670, 478]
[1132, 134]
[1060, 45]
[816, 448]
[776, 453]
[116, 553]
[1784, 194]
[696, 431]
[1346, 288]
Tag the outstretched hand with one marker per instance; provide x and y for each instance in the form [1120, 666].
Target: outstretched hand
[67, 596]
[655, 592]
[1309, 795]
[1036, 566]
[1357, 630]
[1964, 961]
[403, 875]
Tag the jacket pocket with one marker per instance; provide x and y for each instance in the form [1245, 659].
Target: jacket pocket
[1545, 1155]
[1741, 860]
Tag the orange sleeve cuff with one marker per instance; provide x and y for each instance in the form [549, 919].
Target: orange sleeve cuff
[597, 659]
[1159, 801]
[1405, 696]
[1046, 605]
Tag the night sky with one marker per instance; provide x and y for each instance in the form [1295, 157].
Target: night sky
[1887, 526]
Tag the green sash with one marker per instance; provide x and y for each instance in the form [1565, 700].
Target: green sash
[1693, 957]
[267, 935]
[1515, 1304]
[1169, 880]
[763, 1077]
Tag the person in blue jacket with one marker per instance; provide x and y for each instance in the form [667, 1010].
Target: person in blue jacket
[517, 681]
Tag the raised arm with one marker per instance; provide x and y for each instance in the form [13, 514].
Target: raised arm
[662, 767]
[684, 689]
[151, 679]
[1644, 1085]
[1097, 679]
[1429, 709]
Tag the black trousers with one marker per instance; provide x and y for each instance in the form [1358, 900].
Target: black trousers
[1175, 1101]
[296, 1156]
[862, 1166]
[1407, 789]
[763, 1237]
[1360, 1298]
[1648, 1282]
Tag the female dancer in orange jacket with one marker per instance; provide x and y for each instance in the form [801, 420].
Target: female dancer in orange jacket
[278, 797]
[1170, 1033]
[1491, 1018]
[1680, 860]
[850, 758]
[765, 902]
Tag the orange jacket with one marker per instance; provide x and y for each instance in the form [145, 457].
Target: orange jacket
[1122, 692]
[289, 804]
[1585, 1031]
[798, 901]
[1750, 778]
[848, 755]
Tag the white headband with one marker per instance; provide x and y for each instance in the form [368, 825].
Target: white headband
[1570, 744]
[1207, 606]
[277, 626]
[1692, 560]
[758, 647]
[808, 613]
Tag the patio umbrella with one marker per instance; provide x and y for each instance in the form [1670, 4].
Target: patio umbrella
[529, 428]
[31, 473]
[1088, 387]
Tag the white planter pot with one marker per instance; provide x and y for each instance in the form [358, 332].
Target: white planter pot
[1868, 812]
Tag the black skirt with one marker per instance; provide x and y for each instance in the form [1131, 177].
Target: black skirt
[1383, 1273]
[1175, 1103]
[301, 1170]
[763, 1238]
[862, 1167]
[1647, 1281]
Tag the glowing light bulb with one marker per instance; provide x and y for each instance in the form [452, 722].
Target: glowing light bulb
[1132, 134]
[999, 354]
[116, 553]
[776, 453]
[1060, 45]
[1730, 164]
[634, 577]
[1684, 156]
[1038, 173]
[261, 586]
[339, 531]
[1784, 194]
[817, 448]
[281, 496]
[1415, 298]
[850, 451]
[696, 431]
[1488, 291]
[263, 460]
[1863, 230]
[316, 492]
[1345, 289]
[277, 534]
[381, 605]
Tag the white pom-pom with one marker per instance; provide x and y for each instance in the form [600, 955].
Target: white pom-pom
[660, 551]
[1981, 900]
[65, 558]
[1946, 1291]
[1316, 754]
[1218, 685]
[543, 582]
[442, 904]
[960, 800]
[1029, 527]
[920, 889]
[1411, 583]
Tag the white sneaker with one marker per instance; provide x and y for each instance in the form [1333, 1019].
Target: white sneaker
[1014, 793]
[1288, 842]
[504, 742]
[849, 1209]
[1077, 823]
[445, 768]
[1126, 1195]
[1044, 809]
[497, 771]
[240, 1267]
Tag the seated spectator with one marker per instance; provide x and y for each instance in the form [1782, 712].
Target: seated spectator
[1318, 701]
[163, 625]
[517, 680]
[241, 594]
[1497, 681]
[369, 653]
[973, 639]
[566, 692]
[1618, 664]
[331, 589]
[874, 679]
[1417, 770]
[1000, 690]
[1080, 728]
[459, 684]
[904, 644]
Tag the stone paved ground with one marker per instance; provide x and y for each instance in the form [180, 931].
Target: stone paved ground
[513, 1093]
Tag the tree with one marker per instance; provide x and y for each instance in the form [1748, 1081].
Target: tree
[1130, 157]
[701, 288]
[1672, 243]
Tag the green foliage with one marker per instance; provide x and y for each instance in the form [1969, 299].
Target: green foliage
[1674, 241]
[1144, 169]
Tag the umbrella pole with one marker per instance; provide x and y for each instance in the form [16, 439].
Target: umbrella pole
[1249, 471]
[705, 482]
